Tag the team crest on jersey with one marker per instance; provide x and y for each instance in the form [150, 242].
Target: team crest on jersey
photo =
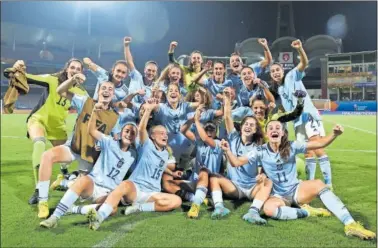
[279, 164]
[161, 163]
[120, 163]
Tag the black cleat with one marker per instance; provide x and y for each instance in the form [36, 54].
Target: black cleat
[34, 198]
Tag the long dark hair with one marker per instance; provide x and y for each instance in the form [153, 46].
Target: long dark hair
[62, 75]
[118, 62]
[190, 65]
[258, 136]
[284, 147]
[274, 86]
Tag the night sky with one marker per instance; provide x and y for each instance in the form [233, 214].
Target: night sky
[211, 27]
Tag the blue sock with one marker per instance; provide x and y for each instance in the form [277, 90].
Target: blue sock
[147, 207]
[288, 213]
[335, 205]
[67, 201]
[325, 167]
[310, 168]
[200, 195]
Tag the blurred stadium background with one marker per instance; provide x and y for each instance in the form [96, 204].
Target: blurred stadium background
[336, 80]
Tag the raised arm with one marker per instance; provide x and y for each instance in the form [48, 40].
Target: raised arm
[325, 141]
[234, 161]
[267, 54]
[63, 88]
[143, 134]
[185, 130]
[201, 132]
[91, 66]
[92, 130]
[197, 79]
[264, 86]
[297, 44]
[227, 111]
[128, 57]
[290, 116]
[171, 52]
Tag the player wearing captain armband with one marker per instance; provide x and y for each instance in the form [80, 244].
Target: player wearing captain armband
[144, 185]
[308, 126]
[290, 196]
[116, 158]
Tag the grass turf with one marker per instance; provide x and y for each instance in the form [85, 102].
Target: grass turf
[353, 160]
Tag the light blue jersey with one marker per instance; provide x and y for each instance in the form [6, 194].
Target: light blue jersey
[78, 102]
[245, 94]
[137, 83]
[120, 91]
[207, 156]
[243, 176]
[112, 164]
[215, 88]
[173, 119]
[293, 82]
[128, 115]
[206, 116]
[150, 167]
[282, 173]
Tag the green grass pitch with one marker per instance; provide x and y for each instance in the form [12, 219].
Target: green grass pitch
[353, 159]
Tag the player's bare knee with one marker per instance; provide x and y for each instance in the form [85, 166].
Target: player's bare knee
[319, 185]
[268, 184]
[49, 156]
[269, 209]
[176, 202]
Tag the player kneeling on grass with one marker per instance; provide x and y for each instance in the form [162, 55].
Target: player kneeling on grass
[208, 158]
[143, 187]
[111, 167]
[81, 147]
[278, 160]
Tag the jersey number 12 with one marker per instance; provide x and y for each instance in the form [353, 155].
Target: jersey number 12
[113, 173]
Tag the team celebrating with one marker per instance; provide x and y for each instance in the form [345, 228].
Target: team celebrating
[191, 134]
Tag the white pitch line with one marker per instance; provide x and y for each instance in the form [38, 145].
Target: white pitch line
[14, 137]
[356, 128]
[351, 150]
[116, 236]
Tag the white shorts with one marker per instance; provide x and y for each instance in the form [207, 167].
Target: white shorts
[243, 192]
[309, 129]
[142, 197]
[98, 192]
[84, 166]
[290, 199]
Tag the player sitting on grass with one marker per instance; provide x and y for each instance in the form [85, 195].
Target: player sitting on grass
[278, 160]
[208, 158]
[111, 167]
[81, 146]
[245, 181]
[144, 185]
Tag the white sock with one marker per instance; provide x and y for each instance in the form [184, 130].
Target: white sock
[65, 203]
[200, 195]
[43, 189]
[288, 213]
[83, 209]
[256, 205]
[217, 198]
[147, 207]
[104, 211]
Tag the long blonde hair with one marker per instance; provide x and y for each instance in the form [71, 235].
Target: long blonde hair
[164, 74]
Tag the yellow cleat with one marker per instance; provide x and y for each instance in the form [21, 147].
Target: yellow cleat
[56, 183]
[43, 210]
[194, 211]
[318, 212]
[206, 202]
[356, 229]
